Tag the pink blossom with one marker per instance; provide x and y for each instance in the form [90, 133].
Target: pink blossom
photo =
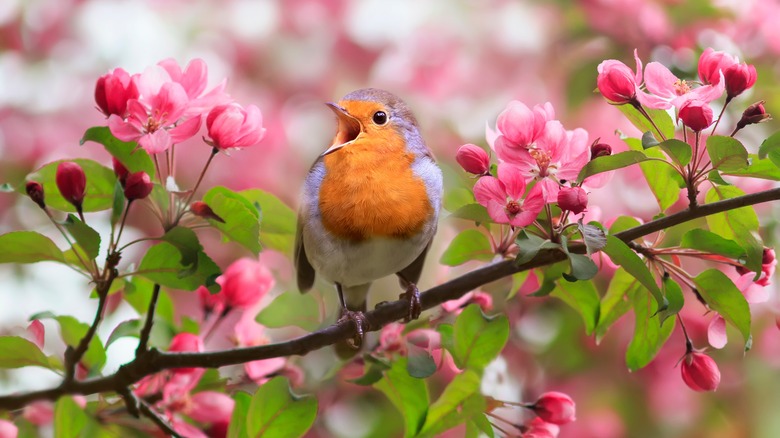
[538, 428]
[8, 429]
[700, 372]
[210, 407]
[112, 92]
[245, 282]
[186, 342]
[617, 83]
[573, 199]
[391, 338]
[696, 114]
[37, 332]
[211, 302]
[194, 79]
[231, 126]
[473, 159]
[39, 412]
[555, 407]
[669, 90]
[519, 127]
[716, 332]
[503, 197]
[138, 185]
[738, 78]
[484, 300]
[187, 429]
[249, 333]
[712, 63]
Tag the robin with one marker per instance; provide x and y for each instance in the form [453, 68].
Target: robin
[370, 204]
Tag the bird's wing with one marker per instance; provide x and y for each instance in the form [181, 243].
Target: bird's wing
[304, 269]
[412, 272]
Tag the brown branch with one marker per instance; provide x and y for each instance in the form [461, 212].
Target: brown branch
[153, 361]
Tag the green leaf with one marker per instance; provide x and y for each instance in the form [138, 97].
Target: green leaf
[477, 338]
[69, 418]
[583, 297]
[72, 331]
[550, 275]
[582, 267]
[679, 151]
[473, 212]
[420, 363]
[28, 247]
[617, 301]
[662, 179]
[19, 352]
[528, 245]
[408, 394]
[186, 241]
[708, 241]
[291, 309]
[469, 245]
[610, 162]
[118, 205]
[129, 328]
[715, 177]
[374, 371]
[624, 256]
[99, 194]
[759, 168]
[726, 153]
[135, 159]
[457, 197]
[674, 296]
[278, 220]
[87, 238]
[722, 296]
[457, 391]
[242, 219]
[276, 413]
[649, 334]
[771, 146]
[594, 237]
[738, 224]
[162, 265]
[623, 223]
[649, 140]
[661, 118]
[238, 422]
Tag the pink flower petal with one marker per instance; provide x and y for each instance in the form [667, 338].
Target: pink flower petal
[512, 179]
[211, 407]
[660, 80]
[122, 130]
[37, 332]
[716, 332]
[158, 141]
[497, 211]
[185, 130]
[488, 189]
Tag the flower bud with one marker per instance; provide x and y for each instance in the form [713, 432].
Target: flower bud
[537, 428]
[138, 186]
[35, 192]
[201, 209]
[700, 372]
[696, 115]
[473, 159]
[600, 150]
[555, 407]
[231, 126]
[616, 82]
[211, 303]
[8, 429]
[71, 182]
[739, 77]
[120, 171]
[711, 63]
[186, 342]
[755, 113]
[113, 90]
[245, 282]
[573, 199]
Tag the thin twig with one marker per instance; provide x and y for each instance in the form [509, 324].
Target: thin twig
[143, 344]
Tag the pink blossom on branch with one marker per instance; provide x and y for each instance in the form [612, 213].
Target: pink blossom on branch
[617, 83]
[738, 78]
[112, 92]
[245, 282]
[503, 197]
[519, 127]
[669, 90]
[696, 114]
[555, 407]
[232, 126]
[700, 372]
[712, 63]
[473, 159]
[193, 80]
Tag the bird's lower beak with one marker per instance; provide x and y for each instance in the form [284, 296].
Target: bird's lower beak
[349, 128]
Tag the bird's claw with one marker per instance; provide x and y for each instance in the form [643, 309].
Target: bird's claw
[360, 323]
[412, 295]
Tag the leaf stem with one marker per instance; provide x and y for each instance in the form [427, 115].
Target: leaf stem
[146, 331]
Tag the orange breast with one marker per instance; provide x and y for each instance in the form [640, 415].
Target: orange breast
[369, 190]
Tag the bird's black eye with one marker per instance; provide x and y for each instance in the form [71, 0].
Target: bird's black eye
[380, 117]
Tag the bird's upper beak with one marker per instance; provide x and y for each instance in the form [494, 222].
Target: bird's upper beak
[349, 128]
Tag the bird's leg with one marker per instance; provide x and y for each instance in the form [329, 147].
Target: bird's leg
[412, 295]
[357, 318]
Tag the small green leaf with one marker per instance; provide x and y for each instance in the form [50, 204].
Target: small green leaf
[624, 256]
[278, 220]
[291, 309]
[469, 245]
[623, 223]
[771, 148]
[457, 197]
[528, 245]
[69, 418]
[162, 265]
[550, 276]
[674, 296]
[87, 238]
[679, 151]
[582, 267]
[72, 331]
[594, 237]
[708, 241]
[610, 162]
[19, 352]
[715, 177]
[473, 212]
[727, 153]
[661, 118]
[420, 363]
[722, 296]
[477, 338]
[118, 206]
[276, 413]
[131, 328]
[462, 387]
[649, 140]
[374, 371]
[649, 334]
[186, 241]
[759, 168]
[583, 297]
[617, 301]
[408, 394]
[238, 422]
[135, 159]
[662, 179]
[242, 219]
[99, 193]
[738, 224]
[28, 247]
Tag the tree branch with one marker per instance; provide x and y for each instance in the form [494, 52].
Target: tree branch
[153, 361]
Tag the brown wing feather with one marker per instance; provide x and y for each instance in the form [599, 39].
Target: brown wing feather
[412, 272]
[304, 269]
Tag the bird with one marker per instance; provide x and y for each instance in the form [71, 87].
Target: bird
[369, 205]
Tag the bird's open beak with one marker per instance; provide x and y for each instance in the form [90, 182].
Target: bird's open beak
[349, 129]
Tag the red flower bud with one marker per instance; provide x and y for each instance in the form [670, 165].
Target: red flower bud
[138, 186]
[120, 171]
[739, 77]
[113, 90]
[473, 159]
[696, 115]
[573, 199]
[201, 209]
[712, 63]
[245, 282]
[35, 192]
[71, 182]
[600, 150]
[186, 342]
[700, 372]
[555, 407]
[755, 113]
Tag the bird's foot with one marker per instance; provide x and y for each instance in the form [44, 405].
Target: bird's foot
[412, 295]
[361, 325]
